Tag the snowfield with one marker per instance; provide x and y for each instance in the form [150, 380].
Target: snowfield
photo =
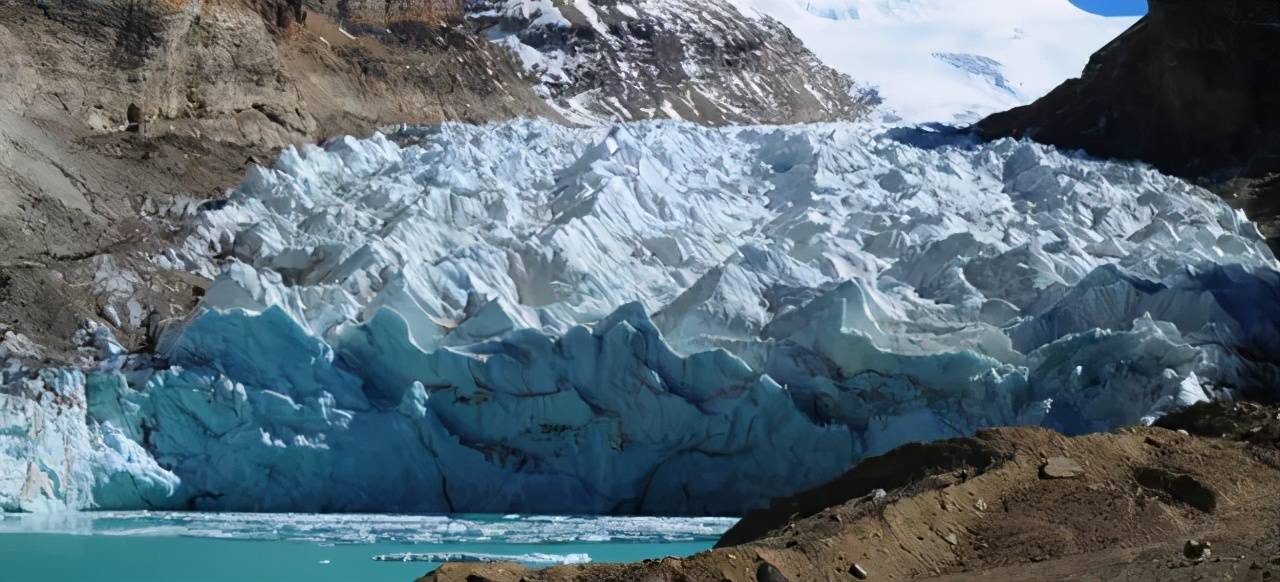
[657, 318]
[952, 61]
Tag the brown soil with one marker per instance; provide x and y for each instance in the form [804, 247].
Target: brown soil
[984, 508]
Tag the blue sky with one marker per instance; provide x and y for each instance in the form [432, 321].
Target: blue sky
[1113, 7]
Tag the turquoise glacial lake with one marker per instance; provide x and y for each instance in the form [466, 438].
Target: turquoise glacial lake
[221, 547]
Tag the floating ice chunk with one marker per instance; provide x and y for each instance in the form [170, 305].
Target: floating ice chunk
[536, 559]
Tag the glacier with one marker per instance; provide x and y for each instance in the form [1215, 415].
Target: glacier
[648, 318]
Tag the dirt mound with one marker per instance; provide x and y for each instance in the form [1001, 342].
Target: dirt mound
[1007, 504]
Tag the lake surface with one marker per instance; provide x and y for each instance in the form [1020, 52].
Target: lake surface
[206, 547]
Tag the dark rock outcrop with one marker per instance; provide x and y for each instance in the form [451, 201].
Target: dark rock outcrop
[905, 465]
[1192, 88]
[1182, 488]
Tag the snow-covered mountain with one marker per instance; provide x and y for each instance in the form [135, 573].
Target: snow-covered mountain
[701, 60]
[654, 318]
[948, 60]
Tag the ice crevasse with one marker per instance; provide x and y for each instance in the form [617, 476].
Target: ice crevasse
[649, 318]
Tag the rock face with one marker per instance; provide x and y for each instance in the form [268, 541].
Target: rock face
[1191, 89]
[284, 15]
[702, 60]
[375, 15]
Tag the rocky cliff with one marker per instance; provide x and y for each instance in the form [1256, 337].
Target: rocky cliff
[1191, 89]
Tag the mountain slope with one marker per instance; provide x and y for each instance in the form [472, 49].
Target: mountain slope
[217, 86]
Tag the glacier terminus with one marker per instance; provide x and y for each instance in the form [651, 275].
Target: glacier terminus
[653, 317]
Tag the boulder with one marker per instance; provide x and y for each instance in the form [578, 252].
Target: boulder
[1060, 468]
[769, 573]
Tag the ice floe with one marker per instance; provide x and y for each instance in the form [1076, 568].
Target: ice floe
[537, 559]
[374, 529]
